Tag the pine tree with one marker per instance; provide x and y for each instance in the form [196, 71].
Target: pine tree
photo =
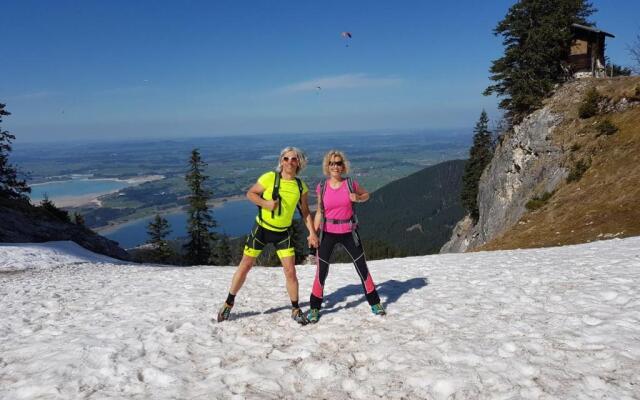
[78, 219]
[480, 156]
[10, 186]
[222, 253]
[59, 213]
[200, 222]
[537, 39]
[158, 230]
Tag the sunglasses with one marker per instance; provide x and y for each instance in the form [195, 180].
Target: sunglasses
[336, 163]
[292, 159]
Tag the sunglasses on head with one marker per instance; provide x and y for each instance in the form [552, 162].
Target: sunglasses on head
[336, 163]
[292, 159]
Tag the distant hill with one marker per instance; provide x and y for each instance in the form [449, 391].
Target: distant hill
[415, 214]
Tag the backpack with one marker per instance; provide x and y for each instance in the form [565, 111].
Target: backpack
[354, 217]
[275, 196]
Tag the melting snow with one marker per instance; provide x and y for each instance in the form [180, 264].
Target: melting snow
[546, 323]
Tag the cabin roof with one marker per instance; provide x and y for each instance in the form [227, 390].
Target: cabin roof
[591, 29]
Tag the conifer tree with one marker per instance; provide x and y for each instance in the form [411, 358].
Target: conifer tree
[10, 186]
[222, 253]
[59, 213]
[78, 219]
[537, 39]
[480, 156]
[200, 222]
[158, 229]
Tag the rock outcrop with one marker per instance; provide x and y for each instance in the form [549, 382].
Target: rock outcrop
[23, 223]
[525, 162]
[536, 157]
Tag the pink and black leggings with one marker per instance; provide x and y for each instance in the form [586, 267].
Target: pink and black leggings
[329, 241]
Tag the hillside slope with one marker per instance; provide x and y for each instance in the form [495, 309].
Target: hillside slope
[415, 214]
[605, 201]
[589, 178]
[21, 222]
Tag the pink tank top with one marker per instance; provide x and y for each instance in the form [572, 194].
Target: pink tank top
[337, 205]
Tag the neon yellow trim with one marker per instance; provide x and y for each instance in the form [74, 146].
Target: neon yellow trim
[248, 251]
[290, 252]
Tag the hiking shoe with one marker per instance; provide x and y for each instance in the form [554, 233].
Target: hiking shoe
[298, 316]
[377, 309]
[313, 315]
[224, 312]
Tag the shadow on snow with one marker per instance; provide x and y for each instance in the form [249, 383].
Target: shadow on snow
[390, 291]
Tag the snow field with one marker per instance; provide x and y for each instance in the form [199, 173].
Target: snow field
[532, 324]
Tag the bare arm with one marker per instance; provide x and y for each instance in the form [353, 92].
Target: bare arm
[308, 220]
[255, 196]
[318, 219]
[360, 196]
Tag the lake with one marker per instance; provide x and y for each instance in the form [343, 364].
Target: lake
[75, 188]
[234, 218]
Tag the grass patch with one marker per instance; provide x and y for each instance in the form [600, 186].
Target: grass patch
[578, 170]
[589, 105]
[636, 94]
[606, 127]
[538, 201]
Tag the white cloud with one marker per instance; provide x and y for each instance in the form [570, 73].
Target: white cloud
[345, 81]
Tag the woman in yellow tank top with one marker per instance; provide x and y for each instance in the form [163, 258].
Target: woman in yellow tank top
[273, 225]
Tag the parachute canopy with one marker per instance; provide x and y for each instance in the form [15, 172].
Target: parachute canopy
[346, 35]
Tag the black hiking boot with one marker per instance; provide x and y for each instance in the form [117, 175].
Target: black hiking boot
[224, 312]
[298, 316]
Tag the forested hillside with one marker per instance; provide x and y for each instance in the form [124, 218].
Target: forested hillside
[415, 214]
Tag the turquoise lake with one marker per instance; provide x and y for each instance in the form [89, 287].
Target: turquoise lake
[75, 188]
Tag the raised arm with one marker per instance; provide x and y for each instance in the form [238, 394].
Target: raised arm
[255, 196]
[360, 196]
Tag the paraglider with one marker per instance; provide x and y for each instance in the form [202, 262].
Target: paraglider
[346, 36]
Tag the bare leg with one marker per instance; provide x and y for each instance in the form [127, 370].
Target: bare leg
[289, 268]
[241, 273]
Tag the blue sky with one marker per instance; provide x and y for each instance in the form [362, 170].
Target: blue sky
[122, 69]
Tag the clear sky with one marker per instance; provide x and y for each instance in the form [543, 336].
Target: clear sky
[144, 69]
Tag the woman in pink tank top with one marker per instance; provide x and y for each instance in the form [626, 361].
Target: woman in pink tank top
[337, 223]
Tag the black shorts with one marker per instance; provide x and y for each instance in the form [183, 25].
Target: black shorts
[261, 236]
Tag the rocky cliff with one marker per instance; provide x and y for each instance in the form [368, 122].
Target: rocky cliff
[536, 157]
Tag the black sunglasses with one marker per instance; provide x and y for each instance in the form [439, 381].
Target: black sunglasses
[336, 163]
[293, 159]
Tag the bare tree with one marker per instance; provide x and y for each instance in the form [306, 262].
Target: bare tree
[634, 51]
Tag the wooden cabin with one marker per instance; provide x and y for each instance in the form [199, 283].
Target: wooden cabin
[587, 51]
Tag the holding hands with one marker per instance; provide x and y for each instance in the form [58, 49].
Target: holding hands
[313, 241]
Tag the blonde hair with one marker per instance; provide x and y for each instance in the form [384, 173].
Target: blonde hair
[302, 158]
[327, 159]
